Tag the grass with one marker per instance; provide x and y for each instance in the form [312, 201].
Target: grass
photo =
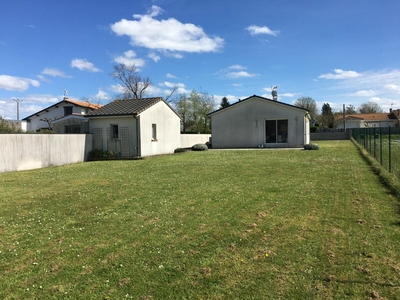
[258, 224]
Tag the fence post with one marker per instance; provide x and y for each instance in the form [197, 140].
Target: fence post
[380, 145]
[390, 152]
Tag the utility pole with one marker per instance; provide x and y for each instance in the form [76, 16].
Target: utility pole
[344, 117]
[18, 101]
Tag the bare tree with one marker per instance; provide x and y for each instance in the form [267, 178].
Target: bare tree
[307, 103]
[134, 84]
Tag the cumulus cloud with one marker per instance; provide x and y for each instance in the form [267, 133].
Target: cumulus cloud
[340, 74]
[365, 93]
[256, 30]
[180, 87]
[236, 71]
[169, 75]
[84, 65]
[166, 35]
[54, 73]
[19, 84]
[393, 87]
[41, 98]
[102, 95]
[129, 58]
[154, 56]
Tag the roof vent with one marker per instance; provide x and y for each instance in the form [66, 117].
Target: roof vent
[274, 93]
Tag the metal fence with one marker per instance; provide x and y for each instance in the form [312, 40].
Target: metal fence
[383, 143]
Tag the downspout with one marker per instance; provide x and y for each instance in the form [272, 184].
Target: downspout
[137, 136]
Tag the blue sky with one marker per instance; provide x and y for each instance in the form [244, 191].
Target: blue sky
[339, 52]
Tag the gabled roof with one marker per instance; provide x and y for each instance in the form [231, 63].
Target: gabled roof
[261, 98]
[369, 117]
[126, 107]
[66, 100]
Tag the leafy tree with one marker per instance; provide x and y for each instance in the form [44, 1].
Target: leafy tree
[350, 110]
[327, 117]
[307, 103]
[193, 109]
[134, 85]
[369, 108]
[224, 103]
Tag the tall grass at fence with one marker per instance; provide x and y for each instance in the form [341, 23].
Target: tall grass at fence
[383, 144]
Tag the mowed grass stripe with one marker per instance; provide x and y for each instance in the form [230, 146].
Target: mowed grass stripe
[256, 224]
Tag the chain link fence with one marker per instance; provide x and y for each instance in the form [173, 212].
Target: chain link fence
[383, 143]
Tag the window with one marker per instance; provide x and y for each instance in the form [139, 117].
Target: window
[154, 132]
[114, 131]
[67, 110]
[276, 131]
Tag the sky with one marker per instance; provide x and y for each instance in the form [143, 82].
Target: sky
[338, 52]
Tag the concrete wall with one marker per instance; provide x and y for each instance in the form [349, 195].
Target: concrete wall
[188, 140]
[32, 151]
[326, 136]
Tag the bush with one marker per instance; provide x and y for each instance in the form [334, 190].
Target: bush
[179, 150]
[199, 147]
[311, 147]
[313, 129]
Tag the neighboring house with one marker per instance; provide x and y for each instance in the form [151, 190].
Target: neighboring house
[259, 122]
[66, 116]
[135, 128]
[367, 120]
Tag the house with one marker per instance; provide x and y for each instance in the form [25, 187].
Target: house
[259, 122]
[367, 120]
[135, 128]
[66, 116]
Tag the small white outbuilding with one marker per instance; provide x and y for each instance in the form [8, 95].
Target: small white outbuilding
[257, 122]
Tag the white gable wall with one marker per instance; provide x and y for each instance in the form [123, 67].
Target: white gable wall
[243, 125]
[167, 128]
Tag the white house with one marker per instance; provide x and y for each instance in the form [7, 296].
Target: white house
[259, 122]
[66, 116]
[135, 128]
[368, 120]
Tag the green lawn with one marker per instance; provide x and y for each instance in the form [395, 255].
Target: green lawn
[258, 224]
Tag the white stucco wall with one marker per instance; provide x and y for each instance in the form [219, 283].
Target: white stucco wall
[188, 140]
[243, 125]
[122, 121]
[168, 130]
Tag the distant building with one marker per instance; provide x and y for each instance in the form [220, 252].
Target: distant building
[66, 116]
[390, 119]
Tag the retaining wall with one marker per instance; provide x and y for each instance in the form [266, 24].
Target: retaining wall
[188, 140]
[32, 151]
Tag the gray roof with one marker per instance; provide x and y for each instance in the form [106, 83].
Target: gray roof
[125, 107]
[259, 97]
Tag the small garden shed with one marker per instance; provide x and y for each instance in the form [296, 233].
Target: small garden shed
[260, 122]
[135, 127]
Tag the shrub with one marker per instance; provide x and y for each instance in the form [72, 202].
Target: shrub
[179, 150]
[311, 147]
[199, 147]
[313, 129]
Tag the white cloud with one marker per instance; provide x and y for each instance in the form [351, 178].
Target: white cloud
[55, 73]
[154, 56]
[42, 98]
[340, 74]
[129, 58]
[255, 30]
[30, 26]
[237, 67]
[180, 88]
[393, 87]
[287, 95]
[20, 84]
[169, 75]
[240, 74]
[118, 88]
[236, 84]
[365, 93]
[102, 95]
[166, 35]
[84, 65]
